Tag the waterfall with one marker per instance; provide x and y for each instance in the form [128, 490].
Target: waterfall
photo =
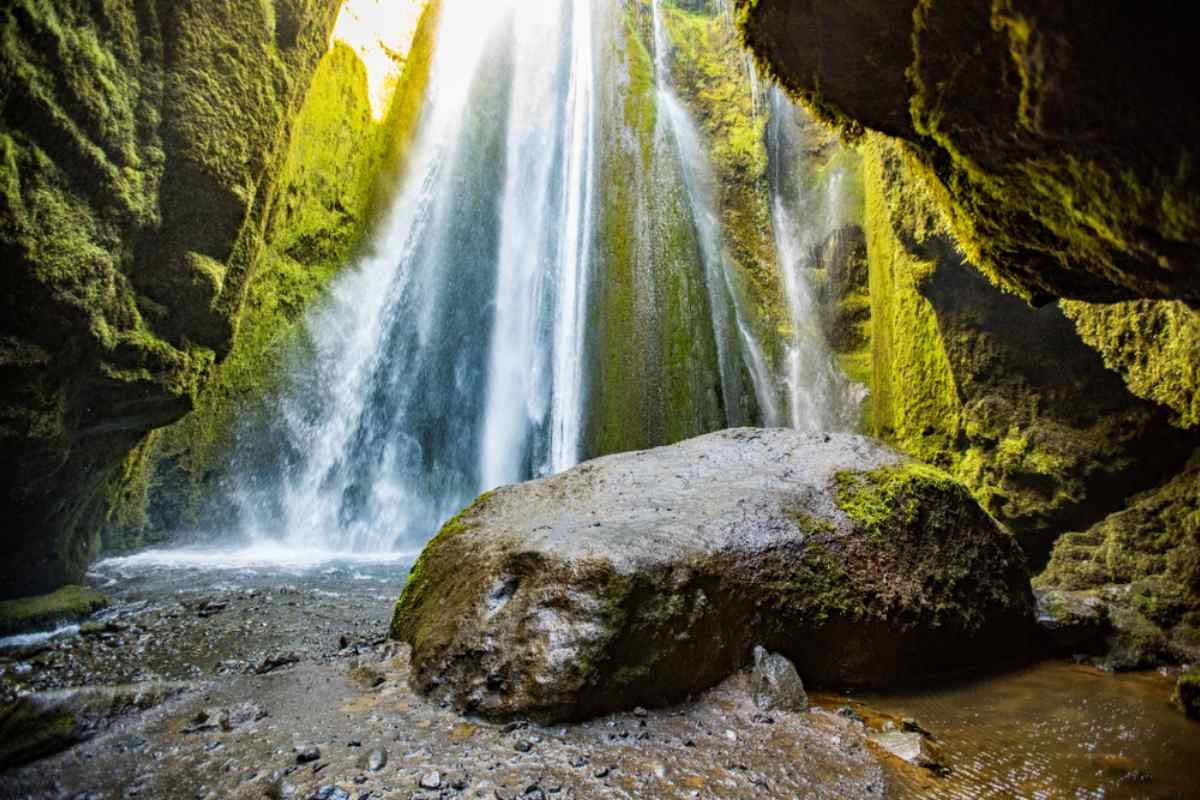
[456, 355]
[806, 210]
[726, 301]
[448, 360]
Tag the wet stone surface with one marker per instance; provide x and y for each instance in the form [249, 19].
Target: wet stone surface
[331, 714]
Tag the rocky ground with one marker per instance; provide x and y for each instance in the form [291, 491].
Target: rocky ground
[341, 722]
[260, 683]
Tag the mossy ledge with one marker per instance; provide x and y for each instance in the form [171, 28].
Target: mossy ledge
[67, 604]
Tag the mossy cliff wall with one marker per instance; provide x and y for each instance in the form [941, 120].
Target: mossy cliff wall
[1061, 141]
[340, 168]
[140, 146]
[1143, 563]
[654, 374]
[1009, 398]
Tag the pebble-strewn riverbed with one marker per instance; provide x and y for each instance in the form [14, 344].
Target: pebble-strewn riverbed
[294, 692]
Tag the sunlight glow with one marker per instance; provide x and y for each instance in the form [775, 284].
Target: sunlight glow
[381, 32]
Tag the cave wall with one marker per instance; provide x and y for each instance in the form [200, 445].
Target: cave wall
[1059, 140]
[1047, 150]
[1010, 398]
[341, 167]
[142, 144]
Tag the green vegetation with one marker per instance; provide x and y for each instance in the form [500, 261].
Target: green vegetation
[340, 165]
[1153, 344]
[654, 365]
[1187, 693]
[914, 401]
[710, 73]
[1152, 549]
[120, 126]
[418, 587]
[68, 604]
[918, 533]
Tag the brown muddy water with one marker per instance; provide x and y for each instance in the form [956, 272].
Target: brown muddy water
[1052, 730]
[303, 643]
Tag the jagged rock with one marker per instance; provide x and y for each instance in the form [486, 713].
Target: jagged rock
[911, 747]
[41, 724]
[1073, 622]
[775, 684]
[638, 578]
[1187, 692]
[1143, 563]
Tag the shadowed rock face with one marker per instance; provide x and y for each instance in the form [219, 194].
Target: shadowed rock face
[639, 578]
[141, 142]
[1060, 139]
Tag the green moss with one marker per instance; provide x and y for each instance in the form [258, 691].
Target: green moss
[888, 500]
[914, 400]
[417, 588]
[1153, 344]
[35, 613]
[654, 363]
[1187, 693]
[1151, 549]
[339, 168]
[121, 124]
[709, 72]
[29, 735]
[922, 523]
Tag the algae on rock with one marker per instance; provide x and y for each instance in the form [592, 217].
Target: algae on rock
[340, 167]
[139, 150]
[1007, 397]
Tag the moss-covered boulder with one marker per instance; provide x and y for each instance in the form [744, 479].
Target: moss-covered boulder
[1143, 563]
[1059, 140]
[1187, 693]
[139, 149]
[68, 604]
[639, 578]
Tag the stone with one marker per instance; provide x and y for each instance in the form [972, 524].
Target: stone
[1187, 692]
[43, 723]
[275, 661]
[432, 780]
[1072, 622]
[775, 684]
[377, 760]
[859, 565]
[307, 753]
[911, 747]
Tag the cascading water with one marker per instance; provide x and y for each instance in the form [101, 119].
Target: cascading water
[448, 361]
[807, 209]
[724, 299]
[455, 356]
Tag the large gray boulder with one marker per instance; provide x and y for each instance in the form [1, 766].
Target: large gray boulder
[639, 578]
